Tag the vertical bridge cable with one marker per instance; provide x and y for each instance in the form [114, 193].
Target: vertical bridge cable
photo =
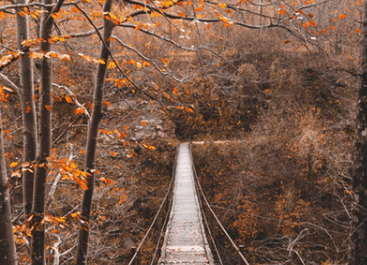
[215, 217]
[157, 214]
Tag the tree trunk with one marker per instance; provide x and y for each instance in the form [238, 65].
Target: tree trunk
[359, 225]
[92, 141]
[44, 147]
[7, 246]
[28, 110]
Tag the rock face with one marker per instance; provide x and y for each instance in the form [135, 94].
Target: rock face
[153, 128]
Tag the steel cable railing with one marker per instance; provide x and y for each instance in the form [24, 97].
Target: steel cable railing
[214, 215]
[204, 217]
[158, 212]
[162, 232]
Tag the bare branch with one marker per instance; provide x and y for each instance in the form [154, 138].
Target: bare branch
[34, 4]
[10, 83]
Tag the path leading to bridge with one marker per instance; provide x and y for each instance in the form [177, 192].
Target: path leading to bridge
[185, 241]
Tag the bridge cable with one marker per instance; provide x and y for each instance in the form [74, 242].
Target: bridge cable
[204, 217]
[216, 218]
[162, 232]
[157, 214]
[210, 233]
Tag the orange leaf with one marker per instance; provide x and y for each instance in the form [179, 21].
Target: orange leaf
[305, 25]
[189, 110]
[28, 109]
[312, 23]
[74, 215]
[287, 42]
[101, 61]
[126, 128]
[48, 107]
[341, 16]
[14, 164]
[358, 30]
[22, 14]
[83, 186]
[2, 15]
[151, 147]
[68, 99]
[111, 65]
[79, 110]
[294, 3]
[208, 26]
[143, 123]
[324, 31]
[181, 14]
[107, 103]
[283, 12]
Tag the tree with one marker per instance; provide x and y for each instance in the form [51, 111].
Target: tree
[359, 224]
[93, 126]
[44, 147]
[28, 108]
[7, 245]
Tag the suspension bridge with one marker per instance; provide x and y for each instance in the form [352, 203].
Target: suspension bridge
[185, 240]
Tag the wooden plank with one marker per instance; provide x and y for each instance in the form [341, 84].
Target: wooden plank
[185, 240]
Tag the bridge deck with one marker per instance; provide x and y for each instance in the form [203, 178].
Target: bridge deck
[185, 241]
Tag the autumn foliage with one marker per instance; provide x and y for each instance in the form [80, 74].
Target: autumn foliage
[278, 76]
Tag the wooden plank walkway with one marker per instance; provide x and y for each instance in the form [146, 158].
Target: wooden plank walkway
[185, 241]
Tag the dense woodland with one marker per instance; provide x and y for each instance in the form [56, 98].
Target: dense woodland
[96, 95]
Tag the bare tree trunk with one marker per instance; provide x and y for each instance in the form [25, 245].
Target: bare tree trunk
[7, 246]
[92, 140]
[44, 147]
[28, 110]
[359, 225]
